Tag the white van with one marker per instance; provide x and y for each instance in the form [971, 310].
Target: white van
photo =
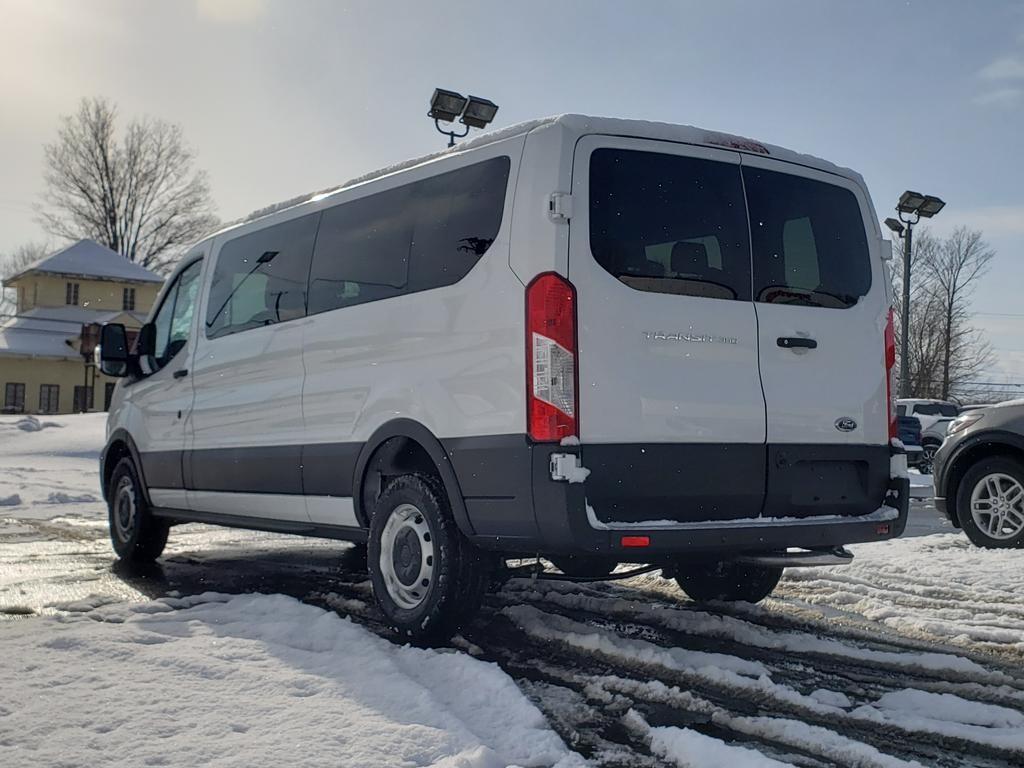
[596, 341]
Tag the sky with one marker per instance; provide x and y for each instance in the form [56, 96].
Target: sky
[282, 97]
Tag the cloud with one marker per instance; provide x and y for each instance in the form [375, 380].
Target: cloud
[1004, 68]
[1001, 97]
[231, 11]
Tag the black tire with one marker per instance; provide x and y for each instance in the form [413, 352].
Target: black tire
[584, 565]
[727, 581]
[137, 536]
[999, 466]
[459, 573]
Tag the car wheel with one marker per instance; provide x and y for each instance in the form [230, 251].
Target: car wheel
[727, 581]
[990, 503]
[137, 536]
[427, 578]
[593, 566]
[927, 460]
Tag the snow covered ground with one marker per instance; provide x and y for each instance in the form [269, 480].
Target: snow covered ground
[244, 648]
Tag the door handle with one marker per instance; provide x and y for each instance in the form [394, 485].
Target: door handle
[796, 342]
[181, 374]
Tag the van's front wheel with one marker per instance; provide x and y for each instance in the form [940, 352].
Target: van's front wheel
[137, 536]
[727, 581]
[427, 579]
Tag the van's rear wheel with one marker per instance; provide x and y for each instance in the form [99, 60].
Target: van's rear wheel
[136, 535]
[727, 581]
[427, 578]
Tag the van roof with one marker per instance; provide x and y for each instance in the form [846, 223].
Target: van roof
[578, 125]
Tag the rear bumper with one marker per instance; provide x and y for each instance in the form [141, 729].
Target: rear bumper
[514, 506]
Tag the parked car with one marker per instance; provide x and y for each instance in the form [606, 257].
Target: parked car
[979, 475]
[910, 435]
[427, 361]
[935, 417]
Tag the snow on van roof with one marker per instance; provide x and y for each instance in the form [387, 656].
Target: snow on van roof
[579, 125]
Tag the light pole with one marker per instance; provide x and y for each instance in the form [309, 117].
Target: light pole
[912, 206]
[475, 112]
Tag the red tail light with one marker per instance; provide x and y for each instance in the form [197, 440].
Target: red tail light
[552, 405]
[890, 373]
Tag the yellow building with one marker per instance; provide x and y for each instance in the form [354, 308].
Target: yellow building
[41, 367]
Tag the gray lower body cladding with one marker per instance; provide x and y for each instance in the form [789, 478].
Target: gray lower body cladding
[704, 494]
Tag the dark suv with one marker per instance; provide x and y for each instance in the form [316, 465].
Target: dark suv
[979, 475]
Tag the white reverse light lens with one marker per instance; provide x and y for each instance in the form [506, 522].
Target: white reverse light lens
[553, 374]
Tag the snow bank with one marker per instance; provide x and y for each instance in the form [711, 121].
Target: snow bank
[51, 467]
[937, 587]
[220, 679]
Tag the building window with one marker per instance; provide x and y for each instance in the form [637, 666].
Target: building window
[14, 398]
[83, 399]
[128, 299]
[49, 398]
[71, 294]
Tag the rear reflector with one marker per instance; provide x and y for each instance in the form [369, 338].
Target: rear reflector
[551, 367]
[636, 541]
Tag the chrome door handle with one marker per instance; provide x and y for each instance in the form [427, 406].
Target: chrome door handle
[796, 342]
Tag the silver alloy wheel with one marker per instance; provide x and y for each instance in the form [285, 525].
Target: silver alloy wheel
[928, 459]
[997, 506]
[125, 510]
[407, 556]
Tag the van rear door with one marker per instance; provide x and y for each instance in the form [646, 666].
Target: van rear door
[819, 291]
[671, 414]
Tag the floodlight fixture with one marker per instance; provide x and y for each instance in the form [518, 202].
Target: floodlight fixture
[910, 202]
[479, 112]
[446, 105]
[894, 225]
[474, 112]
[930, 206]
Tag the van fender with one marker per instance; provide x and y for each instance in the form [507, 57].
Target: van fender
[121, 435]
[415, 431]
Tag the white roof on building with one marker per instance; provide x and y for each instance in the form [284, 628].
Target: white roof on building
[47, 331]
[90, 259]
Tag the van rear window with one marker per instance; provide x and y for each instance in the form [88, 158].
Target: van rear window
[809, 243]
[670, 224]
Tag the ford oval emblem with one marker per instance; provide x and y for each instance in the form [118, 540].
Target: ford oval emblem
[846, 424]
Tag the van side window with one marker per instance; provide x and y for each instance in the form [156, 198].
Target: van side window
[809, 243]
[174, 318]
[670, 224]
[423, 235]
[260, 278]
[362, 251]
[456, 217]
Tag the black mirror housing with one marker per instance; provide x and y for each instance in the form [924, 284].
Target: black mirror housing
[114, 353]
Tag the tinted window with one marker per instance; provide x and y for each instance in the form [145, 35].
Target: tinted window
[936, 409]
[670, 224]
[423, 235]
[809, 243]
[260, 278]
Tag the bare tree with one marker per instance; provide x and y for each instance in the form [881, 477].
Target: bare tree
[12, 263]
[945, 349]
[139, 197]
[951, 274]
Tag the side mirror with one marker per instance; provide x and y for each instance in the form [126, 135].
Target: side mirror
[114, 354]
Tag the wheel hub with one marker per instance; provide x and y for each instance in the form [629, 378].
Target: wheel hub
[997, 506]
[407, 556]
[124, 508]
